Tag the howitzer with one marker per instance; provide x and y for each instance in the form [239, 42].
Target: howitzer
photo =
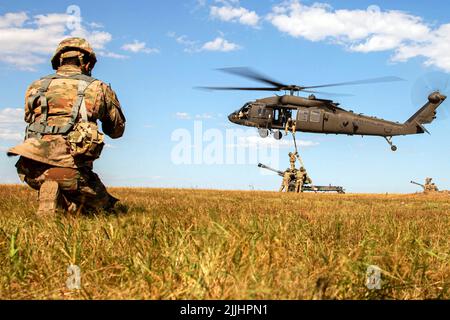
[419, 184]
[281, 174]
[305, 188]
[263, 166]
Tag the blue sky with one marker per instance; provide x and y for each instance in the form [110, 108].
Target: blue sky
[154, 53]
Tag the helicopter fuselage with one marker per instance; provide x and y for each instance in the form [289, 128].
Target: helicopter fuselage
[326, 117]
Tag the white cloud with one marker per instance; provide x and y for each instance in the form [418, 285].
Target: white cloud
[138, 46]
[368, 30]
[230, 13]
[108, 54]
[10, 135]
[190, 46]
[220, 44]
[204, 116]
[29, 41]
[183, 116]
[11, 124]
[11, 116]
[13, 19]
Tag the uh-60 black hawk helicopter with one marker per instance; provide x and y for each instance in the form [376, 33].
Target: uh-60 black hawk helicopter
[314, 115]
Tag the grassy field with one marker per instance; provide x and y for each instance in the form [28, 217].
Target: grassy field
[193, 244]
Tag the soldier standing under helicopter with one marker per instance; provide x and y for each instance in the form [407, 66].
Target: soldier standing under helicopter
[287, 178]
[301, 178]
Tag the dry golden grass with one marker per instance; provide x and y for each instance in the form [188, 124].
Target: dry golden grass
[192, 244]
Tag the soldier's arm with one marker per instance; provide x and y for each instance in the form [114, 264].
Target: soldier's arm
[31, 91]
[113, 120]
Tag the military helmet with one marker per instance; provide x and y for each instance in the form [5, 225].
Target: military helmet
[70, 45]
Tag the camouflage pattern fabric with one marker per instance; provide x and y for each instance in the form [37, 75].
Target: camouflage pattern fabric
[79, 186]
[48, 157]
[101, 104]
[430, 186]
[299, 180]
[286, 181]
[293, 156]
[290, 126]
[72, 47]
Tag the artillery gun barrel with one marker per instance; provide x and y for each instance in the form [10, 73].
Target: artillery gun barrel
[419, 184]
[263, 166]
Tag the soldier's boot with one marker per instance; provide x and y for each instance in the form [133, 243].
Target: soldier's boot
[49, 197]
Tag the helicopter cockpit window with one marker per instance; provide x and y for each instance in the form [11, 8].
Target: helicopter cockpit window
[243, 113]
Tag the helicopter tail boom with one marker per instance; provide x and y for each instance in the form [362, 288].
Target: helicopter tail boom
[427, 113]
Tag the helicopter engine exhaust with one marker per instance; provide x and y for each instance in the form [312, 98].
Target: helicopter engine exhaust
[299, 101]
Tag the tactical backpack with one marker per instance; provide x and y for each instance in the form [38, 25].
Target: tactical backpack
[83, 136]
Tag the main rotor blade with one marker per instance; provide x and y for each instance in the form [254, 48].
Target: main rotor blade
[329, 93]
[251, 74]
[238, 89]
[366, 81]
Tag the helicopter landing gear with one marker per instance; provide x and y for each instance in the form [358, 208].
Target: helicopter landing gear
[278, 135]
[263, 133]
[389, 141]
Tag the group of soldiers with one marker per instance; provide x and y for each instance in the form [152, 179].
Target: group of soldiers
[430, 186]
[294, 176]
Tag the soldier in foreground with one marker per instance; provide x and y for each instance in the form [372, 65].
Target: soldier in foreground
[62, 137]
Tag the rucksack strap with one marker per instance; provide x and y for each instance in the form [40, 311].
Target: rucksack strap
[79, 107]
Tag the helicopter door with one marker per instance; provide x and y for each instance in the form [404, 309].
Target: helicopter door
[280, 117]
[310, 119]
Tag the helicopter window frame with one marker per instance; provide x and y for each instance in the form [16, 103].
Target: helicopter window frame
[303, 115]
[315, 116]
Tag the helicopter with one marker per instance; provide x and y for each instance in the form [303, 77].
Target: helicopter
[310, 114]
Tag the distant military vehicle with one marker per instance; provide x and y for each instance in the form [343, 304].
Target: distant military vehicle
[306, 188]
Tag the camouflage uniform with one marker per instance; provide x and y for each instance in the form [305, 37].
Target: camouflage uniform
[301, 179]
[430, 186]
[290, 126]
[292, 159]
[286, 180]
[46, 154]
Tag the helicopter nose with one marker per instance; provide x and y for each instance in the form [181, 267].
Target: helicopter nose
[232, 117]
